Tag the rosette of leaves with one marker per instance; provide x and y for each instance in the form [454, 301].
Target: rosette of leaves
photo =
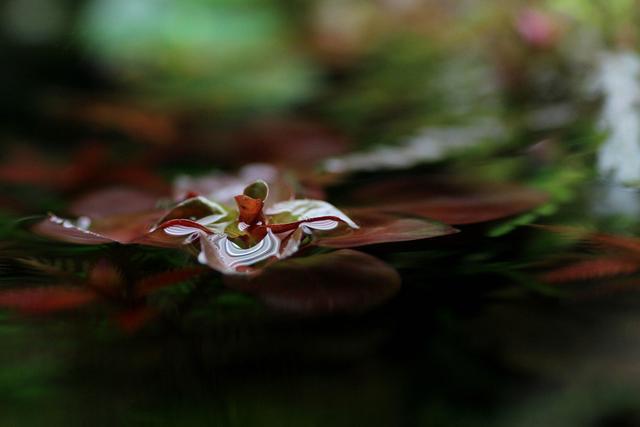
[294, 254]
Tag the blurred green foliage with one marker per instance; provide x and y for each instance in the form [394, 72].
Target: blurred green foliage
[213, 53]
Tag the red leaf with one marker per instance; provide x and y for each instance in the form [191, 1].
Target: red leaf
[592, 269]
[53, 229]
[449, 200]
[113, 201]
[379, 227]
[127, 228]
[45, 300]
[343, 281]
[249, 209]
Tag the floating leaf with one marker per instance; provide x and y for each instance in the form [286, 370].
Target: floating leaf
[343, 281]
[379, 227]
[113, 201]
[56, 228]
[449, 200]
[127, 228]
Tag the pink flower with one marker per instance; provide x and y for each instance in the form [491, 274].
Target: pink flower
[537, 28]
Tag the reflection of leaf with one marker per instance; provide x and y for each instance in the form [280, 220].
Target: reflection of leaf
[616, 256]
[105, 277]
[168, 278]
[133, 319]
[377, 227]
[592, 269]
[338, 282]
[105, 282]
[601, 240]
[45, 300]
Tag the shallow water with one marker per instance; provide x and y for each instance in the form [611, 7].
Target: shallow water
[467, 341]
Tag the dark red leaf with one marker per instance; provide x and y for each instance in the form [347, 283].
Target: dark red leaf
[53, 229]
[449, 200]
[113, 201]
[127, 228]
[379, 227]
[343, 281]
[249, 209]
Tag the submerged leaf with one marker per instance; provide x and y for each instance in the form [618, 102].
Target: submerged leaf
[131, 320]
[602, 240]
[343, 281]
[167, 278]
[105, 277]
[45, 300]
[592, 269]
